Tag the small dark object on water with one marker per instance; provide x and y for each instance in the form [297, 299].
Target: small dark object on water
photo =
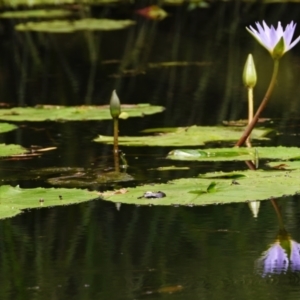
[153, 195]
[41, 200]
[60, 197]
[234, 182]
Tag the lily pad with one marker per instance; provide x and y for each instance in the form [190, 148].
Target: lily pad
[248, 186]
[11, 149]
[73, 113]
[186, 136]
[14, 199]
[5, 127]
[36, 13]
[231, 154]
[67, 26]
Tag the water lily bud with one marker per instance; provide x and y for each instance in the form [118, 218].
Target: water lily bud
[249, 74]
[279, 49]
[115, 105]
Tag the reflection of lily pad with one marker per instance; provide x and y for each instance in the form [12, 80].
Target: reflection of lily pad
[11, 149]
[5, 127]
[15, 199]
[66, 26]
[189, 136]
[89, 179]
[73, 113]
[229, 154]
[36, 13]
[254, 185]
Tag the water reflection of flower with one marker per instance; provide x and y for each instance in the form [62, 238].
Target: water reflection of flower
[283, 255]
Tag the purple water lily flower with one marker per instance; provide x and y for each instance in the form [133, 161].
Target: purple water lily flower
[269, 37]
[295, 256]
[276, 260]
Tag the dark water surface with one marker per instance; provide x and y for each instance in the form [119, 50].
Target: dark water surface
[95, 251]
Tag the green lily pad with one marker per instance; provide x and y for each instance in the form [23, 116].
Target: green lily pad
[36, 13]
[230, 154]
[5, 127]
[74, 113]
[186, 136]
[11, 149]
[67, 26]
[248, 186]
[14, 199]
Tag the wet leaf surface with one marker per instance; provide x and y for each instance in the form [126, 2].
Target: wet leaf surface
[74, 113]
[67, 26]
[5, 127]
[185, 136]
[11, 149]
[253, 185]
[14, 199]
[36, 13]
[232, 154]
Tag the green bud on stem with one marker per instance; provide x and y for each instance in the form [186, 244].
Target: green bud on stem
[115, 105]
[249, 74]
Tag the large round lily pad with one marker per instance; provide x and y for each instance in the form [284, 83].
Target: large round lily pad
[5, 127]
[185, 136]
[215, 188]
[14, 199]
[74, 113]
[67, 26]
[231, 154]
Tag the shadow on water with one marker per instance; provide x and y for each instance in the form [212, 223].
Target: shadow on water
[97, 250]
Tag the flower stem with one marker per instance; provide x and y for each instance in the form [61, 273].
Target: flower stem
[250, 113]
[263, 104]
[116, 144]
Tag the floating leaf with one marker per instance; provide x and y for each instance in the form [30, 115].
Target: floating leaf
[73, 113]
[5, 127]
[186, 136]
[253, 185]
[11, 149]
[229, 154]
[67, 26]
[14, 199]
[36, 13]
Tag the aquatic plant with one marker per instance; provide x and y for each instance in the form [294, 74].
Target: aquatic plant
[277, 42]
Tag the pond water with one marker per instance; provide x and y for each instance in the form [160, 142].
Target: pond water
[97, 250]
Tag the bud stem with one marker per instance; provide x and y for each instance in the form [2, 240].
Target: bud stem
[116, 143]
[263, 104]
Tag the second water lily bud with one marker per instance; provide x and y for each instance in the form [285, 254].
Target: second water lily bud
[249, 74]
[115, 105]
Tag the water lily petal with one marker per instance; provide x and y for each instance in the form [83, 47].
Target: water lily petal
[269, 37]
[295, 256]
[274, 260]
